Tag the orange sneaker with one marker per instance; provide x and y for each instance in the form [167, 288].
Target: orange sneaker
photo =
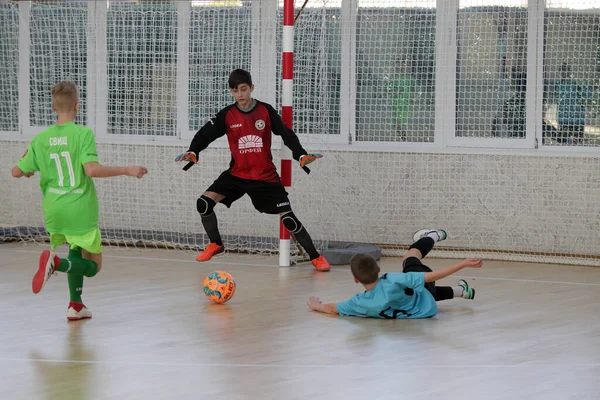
[210, 251]
[321, 264]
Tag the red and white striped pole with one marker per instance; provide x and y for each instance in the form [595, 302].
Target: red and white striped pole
[286, 115]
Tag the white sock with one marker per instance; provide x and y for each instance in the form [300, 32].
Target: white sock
[434, 235]
[458, 291]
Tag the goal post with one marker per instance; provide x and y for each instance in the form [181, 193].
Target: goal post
[287, 88]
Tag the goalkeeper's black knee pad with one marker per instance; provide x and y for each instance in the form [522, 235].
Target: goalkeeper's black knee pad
[205, 206]
[291, 223]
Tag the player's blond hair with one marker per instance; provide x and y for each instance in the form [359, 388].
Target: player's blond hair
[64, 96]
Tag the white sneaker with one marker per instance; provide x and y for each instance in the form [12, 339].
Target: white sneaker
[442, 235]
[74, 315]
[468, 292]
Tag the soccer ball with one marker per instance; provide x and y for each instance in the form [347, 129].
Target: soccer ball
[219, 286]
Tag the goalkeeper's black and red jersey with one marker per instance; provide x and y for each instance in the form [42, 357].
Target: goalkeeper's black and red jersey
[249, 136]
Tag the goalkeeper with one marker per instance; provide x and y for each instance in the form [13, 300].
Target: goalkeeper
[248, 124]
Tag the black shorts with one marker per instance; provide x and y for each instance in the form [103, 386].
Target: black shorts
[413, 264]
[267, 197]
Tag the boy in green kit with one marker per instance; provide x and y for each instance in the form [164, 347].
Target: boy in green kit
[65, 155]
[401, 87]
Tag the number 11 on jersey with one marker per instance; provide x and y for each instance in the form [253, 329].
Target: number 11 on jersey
[61, 176]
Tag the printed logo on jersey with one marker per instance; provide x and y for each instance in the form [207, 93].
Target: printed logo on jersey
[250, 144]
[235, 126]
[260, 124]
[58, 141]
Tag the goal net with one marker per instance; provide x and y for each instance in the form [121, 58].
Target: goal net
[472, 119]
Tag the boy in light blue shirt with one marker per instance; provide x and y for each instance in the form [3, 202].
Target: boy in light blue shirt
[408, 294]
[571, 106]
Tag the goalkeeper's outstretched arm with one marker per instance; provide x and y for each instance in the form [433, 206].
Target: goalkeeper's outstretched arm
[289, 137]
[211, 131]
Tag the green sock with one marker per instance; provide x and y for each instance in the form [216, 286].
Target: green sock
[75, 253]
[75, 286]
[64, 263]
[81, 266]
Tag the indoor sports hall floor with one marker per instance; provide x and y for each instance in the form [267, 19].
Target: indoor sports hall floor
[532, 332]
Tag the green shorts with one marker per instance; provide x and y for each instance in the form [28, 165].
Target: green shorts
[90, 241]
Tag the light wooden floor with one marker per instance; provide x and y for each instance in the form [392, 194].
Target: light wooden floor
[533, 332]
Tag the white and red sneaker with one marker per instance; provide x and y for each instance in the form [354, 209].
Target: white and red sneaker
[78, 311]
[48, 263]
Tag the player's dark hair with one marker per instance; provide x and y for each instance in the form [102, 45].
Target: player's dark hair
[239, 76]
[364, 268]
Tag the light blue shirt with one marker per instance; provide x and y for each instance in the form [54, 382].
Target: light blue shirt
[396, 295]
[571, 110]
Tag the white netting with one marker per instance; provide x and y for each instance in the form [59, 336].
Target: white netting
[9, 66]
[58, 51]
[395, 79]
[536, 208]
[572, 72]
[220, 41]
[317, 62]
[491, 65]
[142, 68]
[364, 76]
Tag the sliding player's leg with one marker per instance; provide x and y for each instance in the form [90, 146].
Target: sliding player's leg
[424, 240]
[272, 198]
[436, 234]
[439, 293]
[225, 189]
[461, 290]
[411, 262]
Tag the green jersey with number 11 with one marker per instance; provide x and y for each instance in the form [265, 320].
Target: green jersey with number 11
[70, 203]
